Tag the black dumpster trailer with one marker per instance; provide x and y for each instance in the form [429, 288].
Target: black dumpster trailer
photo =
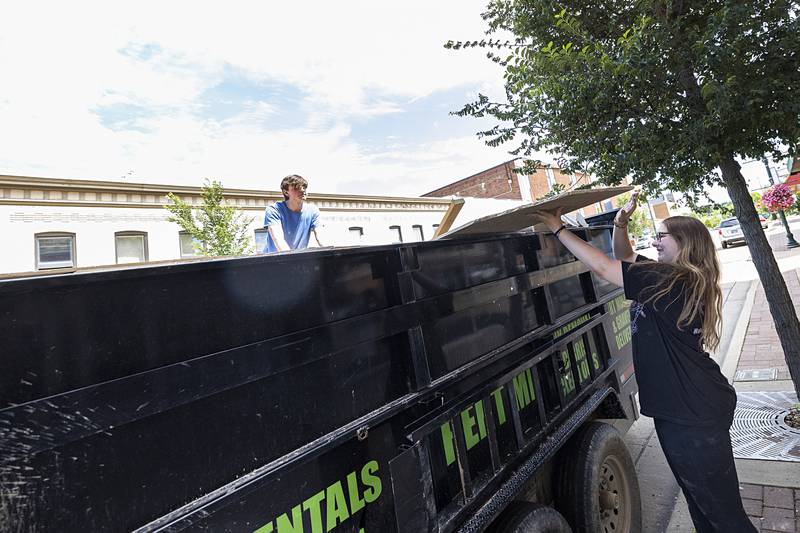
[439, 386]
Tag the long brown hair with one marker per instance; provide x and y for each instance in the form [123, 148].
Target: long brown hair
[696, 268]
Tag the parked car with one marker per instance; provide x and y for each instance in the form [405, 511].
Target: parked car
[730, 232]
[764, 221]
[643, 242]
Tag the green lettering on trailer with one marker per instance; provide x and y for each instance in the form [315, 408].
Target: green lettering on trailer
[525, 395]
[497, 394]
[595, 360]
[266, 528]
[572, 325]
[580, 360]
[336, 508]
[372, 481]
[469, 423]
[314, 507]
[567, 380]
[521, 391]
[295, 525]
[356, 502]
[340, 505]
[529, 378]
[621, 321]
[448, 443]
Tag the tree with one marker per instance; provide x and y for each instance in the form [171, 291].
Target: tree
[217, 229]
[756, 197]
[640, 219]
[669, 93]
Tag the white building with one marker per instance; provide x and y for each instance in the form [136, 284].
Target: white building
[49, 223]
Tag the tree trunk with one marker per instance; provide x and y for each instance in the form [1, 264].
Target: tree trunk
[780, 303]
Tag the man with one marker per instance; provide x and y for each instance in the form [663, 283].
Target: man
[291, 222]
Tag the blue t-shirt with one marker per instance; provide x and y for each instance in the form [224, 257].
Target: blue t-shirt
[296, 226]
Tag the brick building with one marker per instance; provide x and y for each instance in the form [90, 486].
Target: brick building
[504, 182]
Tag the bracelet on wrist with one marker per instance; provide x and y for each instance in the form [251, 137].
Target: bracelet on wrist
[556, 232]
[619, 225]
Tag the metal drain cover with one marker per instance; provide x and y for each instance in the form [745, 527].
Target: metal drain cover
[759, 430]
[763, 374]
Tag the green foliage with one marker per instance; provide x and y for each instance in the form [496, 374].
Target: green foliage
[760, 208]
[557, 189]
[710, 220]
[659, 91]
[795, 209]
[712, 214]
[217, 229]
[640, 219]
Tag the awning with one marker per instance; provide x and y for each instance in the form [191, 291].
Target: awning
[793, 179]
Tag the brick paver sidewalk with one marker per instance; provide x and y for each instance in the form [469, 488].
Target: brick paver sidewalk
[772, 508]
[761, 348]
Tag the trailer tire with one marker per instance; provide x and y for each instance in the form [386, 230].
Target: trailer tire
[596, 484]
[526, 517]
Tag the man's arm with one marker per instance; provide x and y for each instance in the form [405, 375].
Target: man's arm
[316, 237]
[276, 232]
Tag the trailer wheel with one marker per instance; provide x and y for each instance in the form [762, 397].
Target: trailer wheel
[526, 517]
[596, 487]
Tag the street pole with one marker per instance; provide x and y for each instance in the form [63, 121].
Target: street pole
[790, 242]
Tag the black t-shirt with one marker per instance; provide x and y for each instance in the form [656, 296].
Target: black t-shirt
[678, 380]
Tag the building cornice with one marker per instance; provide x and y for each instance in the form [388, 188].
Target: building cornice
[25, 190]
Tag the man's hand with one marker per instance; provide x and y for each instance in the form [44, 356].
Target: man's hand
[624, 214]
[551, 219]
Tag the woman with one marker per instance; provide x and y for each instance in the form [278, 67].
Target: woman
[675, 316]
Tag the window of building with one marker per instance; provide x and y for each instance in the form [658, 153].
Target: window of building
[188, 245]
[55, 250]
[551, 178]
[417, 229]
[356, 234]
[261, 240]
[397, 234]
[131, 246]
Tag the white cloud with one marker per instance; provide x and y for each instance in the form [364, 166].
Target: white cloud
[354, 60]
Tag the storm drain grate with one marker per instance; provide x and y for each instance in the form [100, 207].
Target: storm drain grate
[759, 429]
[763, 374]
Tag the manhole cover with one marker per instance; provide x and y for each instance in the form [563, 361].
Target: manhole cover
[759, 430]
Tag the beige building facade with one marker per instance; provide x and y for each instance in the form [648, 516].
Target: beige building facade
[49, 223]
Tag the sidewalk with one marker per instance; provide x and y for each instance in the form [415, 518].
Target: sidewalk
[753, 360]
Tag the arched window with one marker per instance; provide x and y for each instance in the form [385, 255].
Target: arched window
[356, 234]
[131, 246]
[55, 250]
[397, 234]
[188, 245]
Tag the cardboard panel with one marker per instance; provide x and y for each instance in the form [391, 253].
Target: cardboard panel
[519, 218]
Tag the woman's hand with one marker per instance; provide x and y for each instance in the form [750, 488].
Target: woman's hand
[624, 214]
[551, 219]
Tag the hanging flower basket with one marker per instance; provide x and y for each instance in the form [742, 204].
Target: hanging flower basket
[778, 198]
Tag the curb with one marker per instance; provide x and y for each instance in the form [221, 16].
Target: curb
[731, 360]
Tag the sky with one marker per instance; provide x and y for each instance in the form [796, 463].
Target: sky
[353, 95]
